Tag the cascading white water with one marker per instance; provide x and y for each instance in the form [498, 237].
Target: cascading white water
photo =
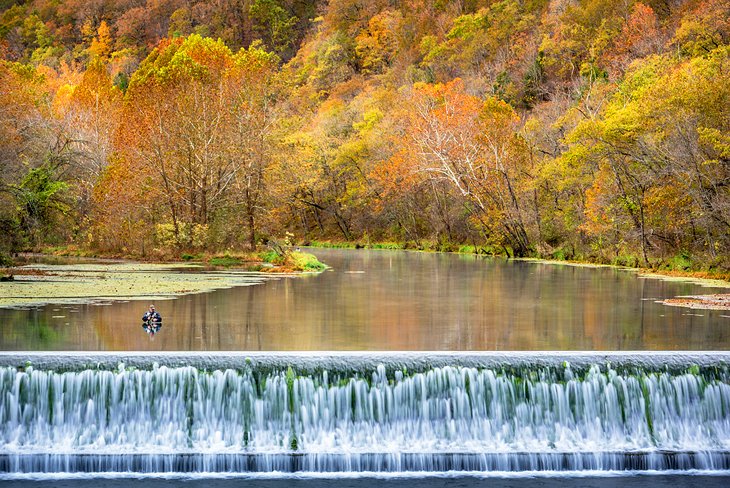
[184, 419]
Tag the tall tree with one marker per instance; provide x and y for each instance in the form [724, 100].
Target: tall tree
[203, 117]
[472, 144]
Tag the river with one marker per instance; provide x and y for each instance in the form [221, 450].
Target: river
[391, 300]
[349, 419]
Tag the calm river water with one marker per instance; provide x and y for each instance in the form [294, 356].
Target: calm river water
[390, 300]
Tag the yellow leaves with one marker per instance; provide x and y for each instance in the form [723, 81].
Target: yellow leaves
[667, 205]
[369, 120]
[182, 60]
[715, 139]
[63, 98]
[703, 28]
[599, 205]
[428, 46]
[256, 59]
[379, 43]
[101, 44]
[499, 116]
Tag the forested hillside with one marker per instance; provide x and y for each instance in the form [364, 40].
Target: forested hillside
[584, 129]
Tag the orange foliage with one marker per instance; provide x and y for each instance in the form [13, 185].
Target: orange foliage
[599, 206]
[640, 37]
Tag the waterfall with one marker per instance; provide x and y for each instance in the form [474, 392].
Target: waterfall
[190, 419]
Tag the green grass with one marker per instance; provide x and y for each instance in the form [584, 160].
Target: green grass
[682, 262]
[628, 261]
[385, 245]
[295, 260]
[271, 257]
[191, 257]
[225, 261]
[303, 261]
[420, 245]
[333, 245]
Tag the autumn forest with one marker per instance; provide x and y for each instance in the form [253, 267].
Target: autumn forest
[593, 130]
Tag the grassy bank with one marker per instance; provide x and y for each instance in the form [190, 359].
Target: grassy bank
[680, 266]
[265, 261]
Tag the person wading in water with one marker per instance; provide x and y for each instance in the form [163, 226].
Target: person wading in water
[151, 316]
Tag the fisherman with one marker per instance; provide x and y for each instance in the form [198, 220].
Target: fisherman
[151, 316]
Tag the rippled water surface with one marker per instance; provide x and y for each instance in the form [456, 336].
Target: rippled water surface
[388, 300]
[698, 480]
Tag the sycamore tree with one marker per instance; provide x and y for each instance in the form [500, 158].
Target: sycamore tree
[472, 144]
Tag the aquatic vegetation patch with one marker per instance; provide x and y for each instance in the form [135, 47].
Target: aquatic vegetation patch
[707, 282]
[40, 284]
[720, 301]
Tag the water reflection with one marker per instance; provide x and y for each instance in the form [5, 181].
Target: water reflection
[382, 300]
[151, 328]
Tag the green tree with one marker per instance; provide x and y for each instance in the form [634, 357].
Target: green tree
[42, 205]
[274, 24]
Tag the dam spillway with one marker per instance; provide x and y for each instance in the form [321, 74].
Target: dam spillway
[363, 412]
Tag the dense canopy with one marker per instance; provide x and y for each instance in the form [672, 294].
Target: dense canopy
[587, 129]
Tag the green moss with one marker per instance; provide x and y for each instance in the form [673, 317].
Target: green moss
[290, 376]
[628, 261]
[647, 407]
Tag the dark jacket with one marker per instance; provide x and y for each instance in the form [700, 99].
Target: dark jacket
[151, 317]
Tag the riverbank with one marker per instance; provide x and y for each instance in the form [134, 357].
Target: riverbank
[264, 261]
[679, 267]
[297, 261]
